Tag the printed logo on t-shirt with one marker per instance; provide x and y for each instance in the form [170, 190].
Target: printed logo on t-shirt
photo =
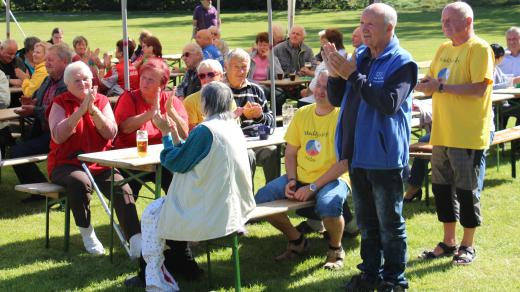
[313, 147]
[444, 74]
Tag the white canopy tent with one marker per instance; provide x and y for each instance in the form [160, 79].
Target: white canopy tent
[290, 13]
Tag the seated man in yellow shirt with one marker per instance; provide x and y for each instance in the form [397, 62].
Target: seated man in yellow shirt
[312, 173]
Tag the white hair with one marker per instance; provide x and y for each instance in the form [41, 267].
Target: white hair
[210, 63]
[513, 29]
[75, 68]
[238, 54]
[300, 27]
[388, 12]
[462, 7]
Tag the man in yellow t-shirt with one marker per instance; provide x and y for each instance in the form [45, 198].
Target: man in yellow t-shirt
[312, 173]
[460, 82]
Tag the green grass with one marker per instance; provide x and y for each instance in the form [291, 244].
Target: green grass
[25, 265]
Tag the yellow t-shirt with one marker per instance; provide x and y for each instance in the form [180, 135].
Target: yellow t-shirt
[462, 121]
[193, 107]
[314, 136]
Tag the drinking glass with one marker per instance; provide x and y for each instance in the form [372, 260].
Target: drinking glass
[141, 139]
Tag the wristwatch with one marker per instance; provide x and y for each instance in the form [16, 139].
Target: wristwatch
[313, 187]
[441, 87]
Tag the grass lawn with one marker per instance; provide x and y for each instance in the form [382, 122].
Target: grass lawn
[25, 265]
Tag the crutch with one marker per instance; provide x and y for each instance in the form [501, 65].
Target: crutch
[107, 210]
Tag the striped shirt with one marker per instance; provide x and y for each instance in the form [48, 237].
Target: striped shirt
[253, 93]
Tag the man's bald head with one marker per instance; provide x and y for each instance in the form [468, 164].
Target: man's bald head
[8, 50]
[192, 55]
[204, 38]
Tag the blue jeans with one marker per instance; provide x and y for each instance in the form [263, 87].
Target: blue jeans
[378, 201]
[329, 199]
[482, 172]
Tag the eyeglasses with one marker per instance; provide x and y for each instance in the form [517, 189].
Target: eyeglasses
[186, 55]
[202, 76]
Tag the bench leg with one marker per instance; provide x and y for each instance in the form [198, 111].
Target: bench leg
[208, 259]
[513, 161]
[237, 262]
[46, 222]
[67, 224]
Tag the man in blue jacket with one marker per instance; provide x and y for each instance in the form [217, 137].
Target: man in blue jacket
[373, 133]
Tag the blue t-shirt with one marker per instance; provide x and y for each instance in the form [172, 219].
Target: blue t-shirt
[212, 52]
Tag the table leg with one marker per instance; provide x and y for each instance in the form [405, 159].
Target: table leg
[158, 182]
[497, 126]
[112, 183]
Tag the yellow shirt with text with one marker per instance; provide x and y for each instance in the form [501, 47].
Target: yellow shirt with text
[462, 121]
[314, 135]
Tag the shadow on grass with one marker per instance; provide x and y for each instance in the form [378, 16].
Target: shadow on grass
[54, 269]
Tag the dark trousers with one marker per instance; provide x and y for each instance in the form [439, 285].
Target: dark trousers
[79, 193]
[28, 173]
[6, 140]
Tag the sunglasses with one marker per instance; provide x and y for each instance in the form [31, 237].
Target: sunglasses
[186, 55]
[202, 76]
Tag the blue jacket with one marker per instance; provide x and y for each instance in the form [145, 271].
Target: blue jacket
[377, 101]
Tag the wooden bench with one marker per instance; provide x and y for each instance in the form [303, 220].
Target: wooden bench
[423, 150]
[53, 194]
[21, 160]
[261, 210]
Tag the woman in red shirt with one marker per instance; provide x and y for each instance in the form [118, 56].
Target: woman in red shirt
[134, 111]
[81, 121]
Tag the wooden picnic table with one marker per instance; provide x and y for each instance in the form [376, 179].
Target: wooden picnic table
[8, 114]
[286, 82]
[15, 89]
[424, 64]
[512, 90]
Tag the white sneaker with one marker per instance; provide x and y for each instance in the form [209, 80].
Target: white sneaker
[135, 246]
[90, 241]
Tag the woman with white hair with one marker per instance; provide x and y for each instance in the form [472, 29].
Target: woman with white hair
[81, 121]
[202, 189]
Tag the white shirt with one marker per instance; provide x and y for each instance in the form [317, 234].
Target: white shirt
[511, 65]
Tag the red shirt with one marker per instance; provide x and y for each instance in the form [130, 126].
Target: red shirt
[133, 103]
[119, 71]
[85, 139]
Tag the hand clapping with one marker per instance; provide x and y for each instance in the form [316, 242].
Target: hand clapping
[338, 65]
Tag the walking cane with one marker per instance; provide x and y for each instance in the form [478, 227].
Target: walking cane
[107, 210]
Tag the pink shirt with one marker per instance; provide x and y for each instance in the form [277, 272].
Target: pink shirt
[262, 64]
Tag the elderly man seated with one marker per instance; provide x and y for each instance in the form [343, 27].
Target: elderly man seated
[209, 50]
[56, 59]
[8, 63]
[202, 190]
[511, 63]
[251, 96]
[312, 173]
[218, 41]
[293, 53]
[192, 56]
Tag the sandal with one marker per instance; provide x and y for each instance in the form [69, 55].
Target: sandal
[293, 251]
[447, 251]
[465, 256]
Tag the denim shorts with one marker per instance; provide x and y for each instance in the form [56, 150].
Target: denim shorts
[329, 198]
